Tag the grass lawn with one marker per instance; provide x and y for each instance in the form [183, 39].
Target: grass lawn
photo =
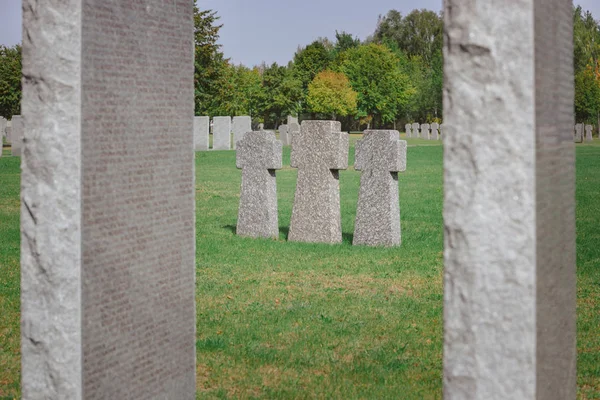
[291, 320]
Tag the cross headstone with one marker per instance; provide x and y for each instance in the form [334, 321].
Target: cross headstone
[3, 122]
[442, 131]
[284, 135]
[579, 133]
[425, 131]
[588, 133]
[201, 130]
[258, 155]
[107, 200]
[509, 206]
[8, 131]
[407, 128]
[221, 133]
[319, 151]
[380, 156]
[16, 135]
[435, 133]
[261, 127]
[241, 126]
[415, 130]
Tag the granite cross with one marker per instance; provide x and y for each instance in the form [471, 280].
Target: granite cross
[380, 155]
[258, 155]
[319, 151]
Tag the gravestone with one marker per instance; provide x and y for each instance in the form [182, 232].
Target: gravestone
[588, 133]
[16, 135]
[509, 208]
[241, 126]
[380, 156]
[284, 135]
[435, 133]
[408, 131]
[258, 155]
[107, 200]
[8, 131]
[201, 129]
[425, 131]
[222, 133]
[3, 122]
[415, 130]
[292, 120]
[293, 129]
[319, 151]
[579, 133]
[442, 131]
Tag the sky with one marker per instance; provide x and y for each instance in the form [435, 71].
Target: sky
[272, 30]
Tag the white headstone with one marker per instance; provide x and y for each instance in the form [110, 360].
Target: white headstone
[241, 126]
[222, 133]
[201, 130]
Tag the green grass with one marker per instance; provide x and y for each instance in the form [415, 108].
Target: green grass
[291, 320]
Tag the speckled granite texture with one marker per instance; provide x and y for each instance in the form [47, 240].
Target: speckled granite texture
[258, 155]
[221, 133]
[107, 200]
[509, 207]
[380, 155]
[240, 126]
[319, 151]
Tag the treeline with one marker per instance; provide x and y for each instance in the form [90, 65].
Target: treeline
[392, 77]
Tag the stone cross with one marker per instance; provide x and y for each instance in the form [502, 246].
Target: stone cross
[435, 133]
[201, 129]
[509, 204]
[425, 131]
[107, 201]
[380, 155]
[241, 126]
[415, 130]
[3, 122]
[284, 135]
[16, 135]
[8, 131]
[221, 133]
[319, 151]
[261, 127]
[579, 133]
[588, 133]
[258, 155]
[442, 131]
[407, 129]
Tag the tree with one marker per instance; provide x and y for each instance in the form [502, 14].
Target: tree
[330, 93]
[311, 60]
[209, 62]
[382, 88]
[10, 81]
[281, 94]
[239, 92]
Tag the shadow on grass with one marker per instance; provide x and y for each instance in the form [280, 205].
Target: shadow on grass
[347, 238]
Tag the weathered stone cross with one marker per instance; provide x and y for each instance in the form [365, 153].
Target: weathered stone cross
[319, 151]
[380, 155]
[258, 155]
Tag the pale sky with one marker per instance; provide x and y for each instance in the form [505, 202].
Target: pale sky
[271, 30]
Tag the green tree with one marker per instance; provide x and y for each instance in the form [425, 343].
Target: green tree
[281, 94]
[239, 92]
[210, 65]
[309, 61]
[10, 81]
[330, 93]
[382, 88]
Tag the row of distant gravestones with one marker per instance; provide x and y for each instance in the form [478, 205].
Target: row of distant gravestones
[578, 134]
[427, 131]
[319, 151]
[223, 128]
[13, 132]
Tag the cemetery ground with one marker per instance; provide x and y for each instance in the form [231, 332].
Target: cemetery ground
[277, 319]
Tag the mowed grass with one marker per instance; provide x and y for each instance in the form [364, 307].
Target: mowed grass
[290, 320]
